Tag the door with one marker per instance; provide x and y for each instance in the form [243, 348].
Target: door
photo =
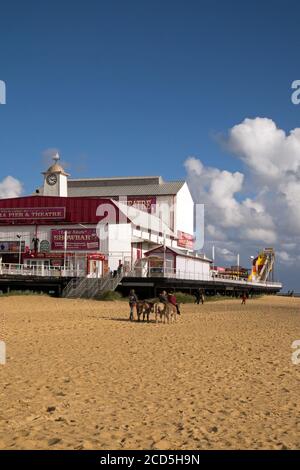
[95, 268]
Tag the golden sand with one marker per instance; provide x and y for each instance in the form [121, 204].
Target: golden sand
[80, 376]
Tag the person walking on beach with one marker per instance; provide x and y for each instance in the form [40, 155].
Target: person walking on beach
[244, 298]
[172, 300]
[120, 269]
[197, 296]
[132, 303]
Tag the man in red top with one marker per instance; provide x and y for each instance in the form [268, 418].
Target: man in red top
[172, 300]
[244, 298]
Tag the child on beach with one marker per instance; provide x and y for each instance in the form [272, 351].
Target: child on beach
[132, 303]
[244, 298]
[163, 298]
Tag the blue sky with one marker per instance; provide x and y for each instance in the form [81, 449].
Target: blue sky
[136, 87]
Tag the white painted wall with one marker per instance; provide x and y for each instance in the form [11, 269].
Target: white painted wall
[165, 211]
[192, 268]
[59, 189]
[63, 186]
[119, 244]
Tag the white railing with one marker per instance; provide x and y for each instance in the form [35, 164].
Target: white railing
[91, 287]
[43, 271]
[49, 271]
[192, 276]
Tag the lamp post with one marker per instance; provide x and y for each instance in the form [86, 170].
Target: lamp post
[86, 254]
[65, 250]
[20, 248]
[164, 261]
[251, 267]
[213, 262]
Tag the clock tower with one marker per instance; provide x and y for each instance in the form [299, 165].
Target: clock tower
[56, 180]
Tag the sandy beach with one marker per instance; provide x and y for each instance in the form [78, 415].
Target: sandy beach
[79, 375]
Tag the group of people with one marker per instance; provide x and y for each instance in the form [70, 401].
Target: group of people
[164, 297]
[170, 298]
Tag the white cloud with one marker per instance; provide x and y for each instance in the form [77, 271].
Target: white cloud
[284, 256]
[256, 206]
[227, 255]
[260, 235]
[10, 187]
[266, 150]
[217, 190]
[236, 222]
[215, 233]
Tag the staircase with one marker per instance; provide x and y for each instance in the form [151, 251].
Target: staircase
[91, 288]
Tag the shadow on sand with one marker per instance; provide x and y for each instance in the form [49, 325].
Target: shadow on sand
[122, 319]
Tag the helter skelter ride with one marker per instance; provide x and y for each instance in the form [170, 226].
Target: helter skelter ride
[263, 266]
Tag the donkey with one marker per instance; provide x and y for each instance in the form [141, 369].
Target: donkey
[162, 311]
[148, 308]
[166, 312]
[144, 308]
[171, 313]
[139, 309]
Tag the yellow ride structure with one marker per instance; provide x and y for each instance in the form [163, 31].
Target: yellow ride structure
[263, 265]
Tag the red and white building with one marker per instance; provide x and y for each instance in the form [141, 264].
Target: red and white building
[92, 226]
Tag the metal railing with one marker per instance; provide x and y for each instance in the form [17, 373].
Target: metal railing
[83, 285]
[192, 276]
[91, 287]
[43, 271]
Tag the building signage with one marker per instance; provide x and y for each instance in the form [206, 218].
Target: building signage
[77, 240]
[33, 213]
[146, 204]
[96, 257]
[185, 240]
[44, 246]
[48, 256]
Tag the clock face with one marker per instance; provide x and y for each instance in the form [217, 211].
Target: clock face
[52, 179]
